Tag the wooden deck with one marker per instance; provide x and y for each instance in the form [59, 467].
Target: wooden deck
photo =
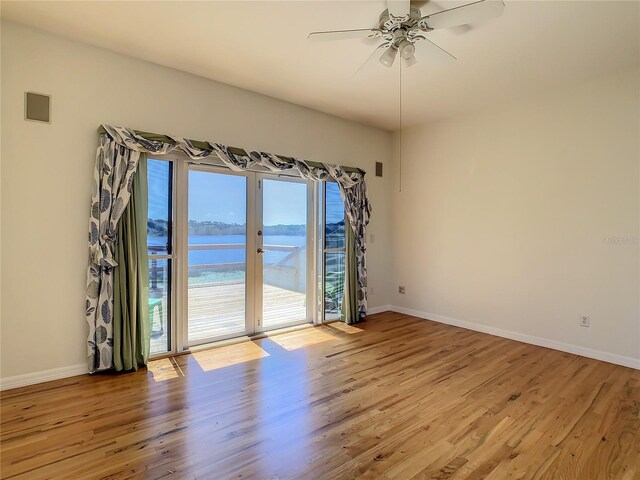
[393, 398]
[218, 310]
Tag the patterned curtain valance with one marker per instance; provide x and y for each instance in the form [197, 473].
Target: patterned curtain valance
[161, 138]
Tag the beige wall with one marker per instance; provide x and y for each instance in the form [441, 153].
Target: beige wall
[47, 171]
[509, 219]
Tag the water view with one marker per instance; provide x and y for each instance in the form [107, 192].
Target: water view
[230, 262]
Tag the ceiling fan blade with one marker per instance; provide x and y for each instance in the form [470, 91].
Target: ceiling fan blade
[372, 60]
[464, 14]
[399, 8]
[341, 34]
[461, 29]
[370, 42]
[429, 52]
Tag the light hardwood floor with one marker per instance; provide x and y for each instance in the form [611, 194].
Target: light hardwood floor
[394, 397]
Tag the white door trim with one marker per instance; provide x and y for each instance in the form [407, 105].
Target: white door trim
[249, 327]
[311, 244]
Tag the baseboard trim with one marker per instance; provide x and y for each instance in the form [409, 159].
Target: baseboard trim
[522, 337]
[81, 369]
[42, 376]
[380, 309]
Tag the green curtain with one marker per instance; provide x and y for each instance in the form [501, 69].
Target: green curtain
[349, 299]
[131, 336]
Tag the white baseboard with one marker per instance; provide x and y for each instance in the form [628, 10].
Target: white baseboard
[522, 337]
[42, 376]
[81, 369]
[380, 309]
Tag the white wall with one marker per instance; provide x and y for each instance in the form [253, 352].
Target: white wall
[508, 219]
[47, 171]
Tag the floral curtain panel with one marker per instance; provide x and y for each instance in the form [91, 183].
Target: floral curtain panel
[358, 212]
[112, 182]
[116, 163]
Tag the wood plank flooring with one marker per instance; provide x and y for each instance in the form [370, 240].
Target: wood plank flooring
[394, 397]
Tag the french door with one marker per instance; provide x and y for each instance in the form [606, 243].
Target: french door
[248, 244]
[284, 247]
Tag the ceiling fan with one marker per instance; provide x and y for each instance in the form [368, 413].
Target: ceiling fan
[402, 29]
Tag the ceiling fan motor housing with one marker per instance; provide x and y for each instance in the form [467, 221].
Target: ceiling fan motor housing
[395, 30]
[389, 23]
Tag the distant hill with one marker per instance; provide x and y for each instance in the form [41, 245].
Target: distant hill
[159, 228]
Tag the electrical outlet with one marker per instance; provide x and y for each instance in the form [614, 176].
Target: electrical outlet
[401, 290]
[372, 238]
[371, 291]
[585, 321]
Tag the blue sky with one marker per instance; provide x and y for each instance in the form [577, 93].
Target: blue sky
[157, 178]
[220, 197]
[335, 210]
[217, 197]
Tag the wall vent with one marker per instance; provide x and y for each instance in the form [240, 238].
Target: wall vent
[37, 107]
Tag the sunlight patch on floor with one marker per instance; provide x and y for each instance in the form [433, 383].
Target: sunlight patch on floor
[164, 369]
[343, 327]
[303, 338]
[221, 357]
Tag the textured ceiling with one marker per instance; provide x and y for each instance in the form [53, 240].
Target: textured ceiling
[262, 46]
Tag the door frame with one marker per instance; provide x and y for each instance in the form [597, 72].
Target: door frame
[323, 250]
[171, 258]
[182, 164]
[250, 246]
[310, 246]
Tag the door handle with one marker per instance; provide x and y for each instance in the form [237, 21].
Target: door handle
[260, 250]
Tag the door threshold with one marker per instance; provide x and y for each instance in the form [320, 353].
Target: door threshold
[247, 338]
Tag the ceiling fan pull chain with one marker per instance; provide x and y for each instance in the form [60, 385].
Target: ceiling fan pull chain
[400, 131]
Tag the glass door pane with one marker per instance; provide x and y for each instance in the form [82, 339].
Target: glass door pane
[284, 256]
[216, 292]
[334, 251]
[160, 250]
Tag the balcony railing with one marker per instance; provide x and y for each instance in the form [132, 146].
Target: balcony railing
[287, 272]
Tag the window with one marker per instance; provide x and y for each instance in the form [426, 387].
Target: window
[333, 251]
[160, 248]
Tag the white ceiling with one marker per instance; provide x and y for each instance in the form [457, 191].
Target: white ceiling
[262, 46]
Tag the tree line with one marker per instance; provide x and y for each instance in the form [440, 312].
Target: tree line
[160, 228]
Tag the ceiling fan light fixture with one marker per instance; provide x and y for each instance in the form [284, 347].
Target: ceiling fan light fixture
[389, 56]
[406, 49]
[408, 62]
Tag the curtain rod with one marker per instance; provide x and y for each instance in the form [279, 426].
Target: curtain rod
[235, 150]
